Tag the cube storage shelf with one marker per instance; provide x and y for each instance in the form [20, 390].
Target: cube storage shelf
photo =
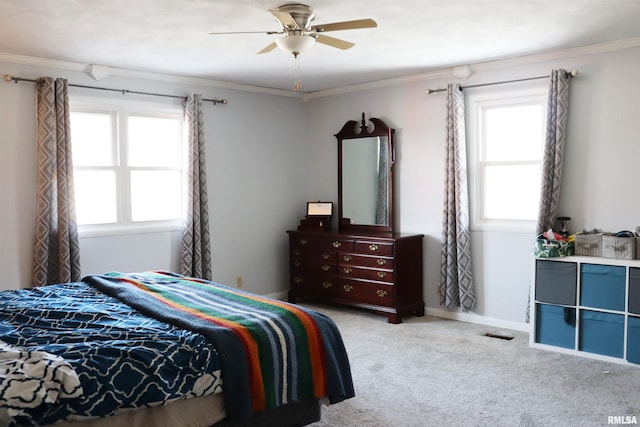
[588, 306]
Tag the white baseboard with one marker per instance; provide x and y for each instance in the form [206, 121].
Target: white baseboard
[452, 315]
[282, 296]
[478, 319]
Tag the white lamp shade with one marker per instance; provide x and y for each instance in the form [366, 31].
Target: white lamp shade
[295, 44]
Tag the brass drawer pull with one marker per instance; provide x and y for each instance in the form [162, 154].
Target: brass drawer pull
[347, 288]
[303, 241]
[382, 293]
[347, 270]
[297, 252]
[327, 285]
[297, 264]
[326, 256]
[297, 280]
[382, 274]
[347, 258]
[381, 261]
[337, 244]
[326, 267]
[373, 247]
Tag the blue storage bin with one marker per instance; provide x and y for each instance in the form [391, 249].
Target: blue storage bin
[556, 325]
[633, 339]
[602, 333]
[556, 282]
[634, 290]
[602, 286]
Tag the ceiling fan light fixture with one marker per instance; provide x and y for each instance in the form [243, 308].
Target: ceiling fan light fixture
[295, 44]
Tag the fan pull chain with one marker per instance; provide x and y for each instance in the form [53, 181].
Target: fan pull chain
[297, 84]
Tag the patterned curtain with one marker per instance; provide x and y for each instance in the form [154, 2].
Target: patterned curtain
[456, 279]
[556, 134]
[57, 247]
[196, 240]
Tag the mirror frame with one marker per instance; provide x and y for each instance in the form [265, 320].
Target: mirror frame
[350, 131]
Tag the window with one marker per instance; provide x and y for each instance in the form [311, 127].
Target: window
[507, 140]
[128, 164]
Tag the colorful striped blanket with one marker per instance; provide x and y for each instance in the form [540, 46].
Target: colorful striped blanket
[272, 352]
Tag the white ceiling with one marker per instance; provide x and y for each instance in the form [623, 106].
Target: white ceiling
[413, 36]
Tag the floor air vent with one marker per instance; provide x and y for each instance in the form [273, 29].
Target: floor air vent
[502, 337]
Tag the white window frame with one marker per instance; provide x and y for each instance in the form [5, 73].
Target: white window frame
[476, 101]
[121, 109]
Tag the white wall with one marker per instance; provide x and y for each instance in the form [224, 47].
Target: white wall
[600, 174]
[268, 155]
[256, 156]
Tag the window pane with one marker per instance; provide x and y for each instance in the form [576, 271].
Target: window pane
[155, 141]
[513, 133]
[95, 197]
[91, 139]
[511, 192]
[156, 195]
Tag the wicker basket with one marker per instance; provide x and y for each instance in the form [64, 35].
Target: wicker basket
[588, 244]
[618, 247]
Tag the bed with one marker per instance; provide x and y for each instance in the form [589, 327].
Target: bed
[158, 348]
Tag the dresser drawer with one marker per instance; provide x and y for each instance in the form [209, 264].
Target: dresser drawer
[304, 281]
[319, 243]
[366, 292]
[310, 257]
[366, 261]
[374, 248]
[341, 245]
[354, 272]
[314, 268]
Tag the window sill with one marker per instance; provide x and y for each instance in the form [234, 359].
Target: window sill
[91, 231]
[523, 227]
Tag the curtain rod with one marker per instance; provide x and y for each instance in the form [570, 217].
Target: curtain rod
[573, 73]
[9, 78]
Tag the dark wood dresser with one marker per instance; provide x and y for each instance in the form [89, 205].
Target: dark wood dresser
[380, 272]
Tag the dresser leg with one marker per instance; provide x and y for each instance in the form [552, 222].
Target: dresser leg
[395, 318]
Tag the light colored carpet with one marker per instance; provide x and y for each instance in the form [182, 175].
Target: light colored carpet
[435, 372]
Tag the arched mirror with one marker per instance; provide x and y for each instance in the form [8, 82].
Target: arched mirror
[365, 176]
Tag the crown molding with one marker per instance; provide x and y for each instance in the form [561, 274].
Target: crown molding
[485, 66]
[36, 61]
[123, 72]
[306, 96]
[586, 50]
[377, 84]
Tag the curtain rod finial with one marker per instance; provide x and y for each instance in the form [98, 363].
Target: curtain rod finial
[575, 73]
[8, 77]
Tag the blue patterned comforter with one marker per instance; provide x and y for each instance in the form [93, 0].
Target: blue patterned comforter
[94, 333]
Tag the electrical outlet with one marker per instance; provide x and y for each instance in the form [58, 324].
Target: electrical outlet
[239, 281]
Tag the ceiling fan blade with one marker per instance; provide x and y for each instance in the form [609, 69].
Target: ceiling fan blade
[269, 48]
[247, 32]
[285, 19]
[334, 42]
[345, 25]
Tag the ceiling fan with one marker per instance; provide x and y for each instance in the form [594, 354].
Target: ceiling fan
[295, 21]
